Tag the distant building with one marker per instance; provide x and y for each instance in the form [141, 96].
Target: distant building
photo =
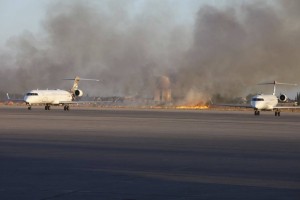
[162, 91]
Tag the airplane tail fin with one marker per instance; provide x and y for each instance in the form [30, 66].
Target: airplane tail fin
[76, 82]
[276, 83]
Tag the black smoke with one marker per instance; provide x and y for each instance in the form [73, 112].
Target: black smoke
[226, 51]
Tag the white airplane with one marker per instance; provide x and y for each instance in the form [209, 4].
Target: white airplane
[54, 97]
[262, 102]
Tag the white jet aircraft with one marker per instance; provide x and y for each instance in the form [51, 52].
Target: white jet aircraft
[262, 102]
[54, 97]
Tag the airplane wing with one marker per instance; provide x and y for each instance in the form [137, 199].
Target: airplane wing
[286, 107]
[14, 100]
[249, 106]
[77, 102]
[234, 105]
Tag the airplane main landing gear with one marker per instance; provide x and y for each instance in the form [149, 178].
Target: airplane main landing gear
[66, 108]
[256, 112]
[47, 107]
[29, 107]
[277, 113]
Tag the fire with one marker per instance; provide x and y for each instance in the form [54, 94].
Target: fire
[193, 107]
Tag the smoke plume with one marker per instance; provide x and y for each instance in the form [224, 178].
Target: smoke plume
[237, 47]
[226, 51]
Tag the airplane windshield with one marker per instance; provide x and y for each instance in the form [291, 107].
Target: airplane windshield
[31, 94]
[257, 99]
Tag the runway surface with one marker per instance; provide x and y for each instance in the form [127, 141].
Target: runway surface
[148, 154]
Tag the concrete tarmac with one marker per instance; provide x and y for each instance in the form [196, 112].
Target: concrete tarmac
[123, 154]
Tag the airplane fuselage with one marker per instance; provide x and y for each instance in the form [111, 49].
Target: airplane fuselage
[51, 97]
[54, 97]
[264, 102]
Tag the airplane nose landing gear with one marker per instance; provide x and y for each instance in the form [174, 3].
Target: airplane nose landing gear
[66, 108]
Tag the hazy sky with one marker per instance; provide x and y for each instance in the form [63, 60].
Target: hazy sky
[206, 47]
[17, 16]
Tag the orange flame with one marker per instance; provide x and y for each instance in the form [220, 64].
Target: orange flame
[193, 107]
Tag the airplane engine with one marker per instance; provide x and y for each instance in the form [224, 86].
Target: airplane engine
[78, 93]
[283, 98]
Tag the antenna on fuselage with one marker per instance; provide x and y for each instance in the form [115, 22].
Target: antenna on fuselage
[276, 83]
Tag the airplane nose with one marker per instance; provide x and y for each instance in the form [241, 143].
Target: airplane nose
[254, 105]
[26, 99]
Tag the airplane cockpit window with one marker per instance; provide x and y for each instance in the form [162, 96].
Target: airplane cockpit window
[32, 94]
[257, 99]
